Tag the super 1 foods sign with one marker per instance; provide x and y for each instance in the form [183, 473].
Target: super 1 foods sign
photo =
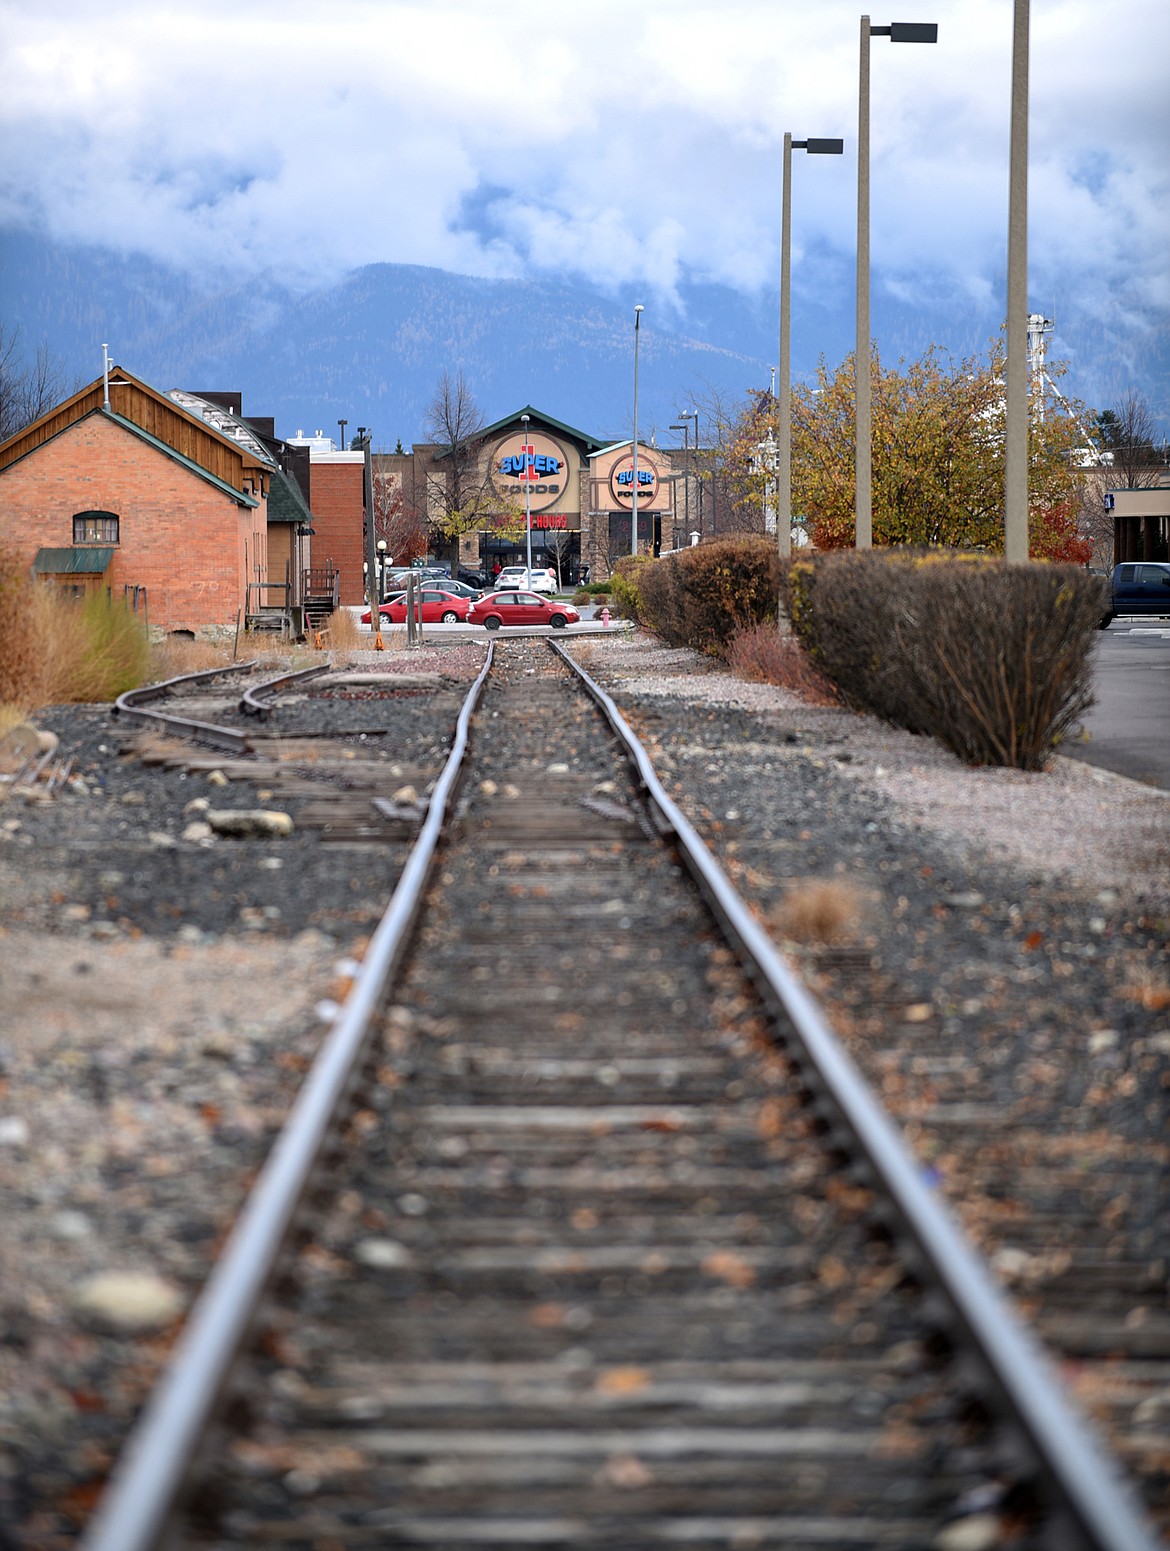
[533, 468]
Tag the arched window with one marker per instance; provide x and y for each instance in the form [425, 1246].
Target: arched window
[95, 527]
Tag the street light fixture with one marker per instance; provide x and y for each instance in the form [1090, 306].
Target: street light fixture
[638, 311]
[381, 571]
[526, 454]
[784, 407]
[897, 32]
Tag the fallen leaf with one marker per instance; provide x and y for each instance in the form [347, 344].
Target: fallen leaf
[729, 1268]
[832, 1272]
[770, 1118]
[547, 1316]
[626, 1470]
[622, 1381]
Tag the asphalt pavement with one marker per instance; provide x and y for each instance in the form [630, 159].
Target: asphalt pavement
[1128, 730]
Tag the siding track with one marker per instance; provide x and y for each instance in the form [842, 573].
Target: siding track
[595, 1256]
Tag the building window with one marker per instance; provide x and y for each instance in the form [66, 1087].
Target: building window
[95, 527]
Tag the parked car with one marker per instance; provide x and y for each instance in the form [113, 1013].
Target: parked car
[1138, 587]
[439, 607]
[541, 579]
[474, 578]
[461, 589]
[516, 607]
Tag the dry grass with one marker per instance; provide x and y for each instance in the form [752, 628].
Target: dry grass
[762, 655]
[819, 910]
[344, 634]
[56, 649]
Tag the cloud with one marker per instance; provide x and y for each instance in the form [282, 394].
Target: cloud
[629, 147]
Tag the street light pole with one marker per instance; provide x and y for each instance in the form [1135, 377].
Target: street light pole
[367, 438]
[1016, 435]
[693, 414]
[784, 407]
[638, 311]
[684, 427]
[897, 32]
[766, 463]
[527, 455]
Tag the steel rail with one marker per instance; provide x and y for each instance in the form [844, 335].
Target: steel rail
[132, 706]
[1081, 1476]
[251, 703]
[146, 1484]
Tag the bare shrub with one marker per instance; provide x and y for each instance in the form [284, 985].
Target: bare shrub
[994, 661]
[762, 655]
[819, 910]
[344, 634]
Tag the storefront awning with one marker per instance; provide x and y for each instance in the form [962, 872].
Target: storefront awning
[82, 560]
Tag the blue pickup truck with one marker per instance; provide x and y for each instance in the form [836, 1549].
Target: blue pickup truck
[1138, 587]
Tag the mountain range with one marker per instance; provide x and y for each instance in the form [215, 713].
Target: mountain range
[371, 347]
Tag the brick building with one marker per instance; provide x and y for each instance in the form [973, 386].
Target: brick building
[337, 497]
[158, 498]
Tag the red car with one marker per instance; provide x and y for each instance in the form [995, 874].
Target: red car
[521, 608]
[439, 607]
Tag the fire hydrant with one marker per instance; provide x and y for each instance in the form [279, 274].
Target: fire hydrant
[605, 616]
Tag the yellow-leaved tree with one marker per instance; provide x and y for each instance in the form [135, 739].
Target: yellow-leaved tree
[938, 451]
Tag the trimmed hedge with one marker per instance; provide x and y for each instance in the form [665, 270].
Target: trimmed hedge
[994, 661]
[704, 596]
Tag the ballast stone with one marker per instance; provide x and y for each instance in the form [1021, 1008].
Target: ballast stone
[128, 1301]
[247, 823]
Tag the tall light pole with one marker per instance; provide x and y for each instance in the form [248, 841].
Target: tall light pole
[897, 32]
[684, 427]
[692, 470]
[766, 463]
[638, 311]
[784, 407]
[1015, 473]
[367, 441]
[526, 452]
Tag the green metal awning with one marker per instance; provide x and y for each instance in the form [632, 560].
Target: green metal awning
[82, 560]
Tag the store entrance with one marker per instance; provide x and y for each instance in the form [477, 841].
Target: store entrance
[566, 564]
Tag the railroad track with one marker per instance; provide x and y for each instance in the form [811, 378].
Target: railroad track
[588, 1233]
[347, 795]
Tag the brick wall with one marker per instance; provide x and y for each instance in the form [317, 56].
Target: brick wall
[336, 487]
[179, 537]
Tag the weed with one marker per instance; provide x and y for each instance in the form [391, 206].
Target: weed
[819, 910]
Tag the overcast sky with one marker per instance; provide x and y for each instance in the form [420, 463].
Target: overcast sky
[627, 143]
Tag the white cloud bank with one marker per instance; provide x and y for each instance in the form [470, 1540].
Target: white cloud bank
[632, 143]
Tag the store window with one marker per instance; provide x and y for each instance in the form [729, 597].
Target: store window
[95, 528]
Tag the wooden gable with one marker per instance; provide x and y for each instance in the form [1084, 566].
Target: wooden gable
[154, 413]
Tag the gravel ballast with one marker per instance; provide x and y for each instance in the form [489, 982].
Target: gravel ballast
[160, 998]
